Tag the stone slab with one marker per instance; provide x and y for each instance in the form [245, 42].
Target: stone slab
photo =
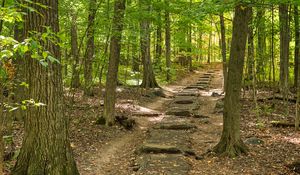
[163, 164]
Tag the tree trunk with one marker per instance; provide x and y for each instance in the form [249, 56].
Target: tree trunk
[261, 45]
[284, 49]
[158, 48]
[297, 45]
[75, 82]
[1, 129]
[297, 64]
[90, 49]
[1, 21]
[209, 43]
[148, 73]
[223, 45]
[168, 41]
[231, 143]
[112, 74]
[46, 147]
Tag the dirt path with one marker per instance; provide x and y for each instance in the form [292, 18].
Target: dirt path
[119, 155]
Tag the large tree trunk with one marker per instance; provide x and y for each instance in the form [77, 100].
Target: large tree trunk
[231, 143]
[46, 147]
[284, 49]
[90, 49]
[75, 82]
[148, 73]
[112, 75]
[168, 41]
[223, 45]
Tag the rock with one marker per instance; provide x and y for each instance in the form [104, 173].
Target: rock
[101, 121]
[201, 116]
[187, 94]
[179, 112]
[126, 122]
[167, 164]
[205, 121]
[254, 141]
[159, 148]
[184, 102]
[196, 87]
[175, 126]
[215, 94]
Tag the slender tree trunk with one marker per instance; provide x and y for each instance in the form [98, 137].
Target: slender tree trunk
[90, 49]
[209, 44]
[1, 130]
[168, 40]
[297, 64]
[75, 82]
[261, 45]
[19, 77]
[251, 74]
[148, 73]
[223, 45]
[230, 143]
[112, 74]
[46, 147]
[200, 47]
[158, 48]
[273, 56]
[284, 50]
[1, 21]
[297, 45]
[135, 56]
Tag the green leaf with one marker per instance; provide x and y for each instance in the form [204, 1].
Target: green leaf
[52, 59]
[44, 63]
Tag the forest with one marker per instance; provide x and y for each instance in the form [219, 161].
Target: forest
[146, 87]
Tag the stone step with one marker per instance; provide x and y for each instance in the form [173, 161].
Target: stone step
[204, 79]
[175, 126]
[188, 94]
[202, 83]
[195, 87]
[166, 164]
[179, 112]
[167, 141]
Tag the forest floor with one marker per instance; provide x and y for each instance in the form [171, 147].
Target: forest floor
[101, 150]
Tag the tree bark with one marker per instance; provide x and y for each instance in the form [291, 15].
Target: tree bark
[75, 82]
[230, 143]
[158, 48]
[261, 45]
[223, 45]
[90, 49]
[284, 49]
[112, 74]
[168, 41]
[297, 65]
[46, 147]
[209, 43]
[297, 45]
[149, 80]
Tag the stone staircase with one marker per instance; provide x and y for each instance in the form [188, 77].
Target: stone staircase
[168, 144]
